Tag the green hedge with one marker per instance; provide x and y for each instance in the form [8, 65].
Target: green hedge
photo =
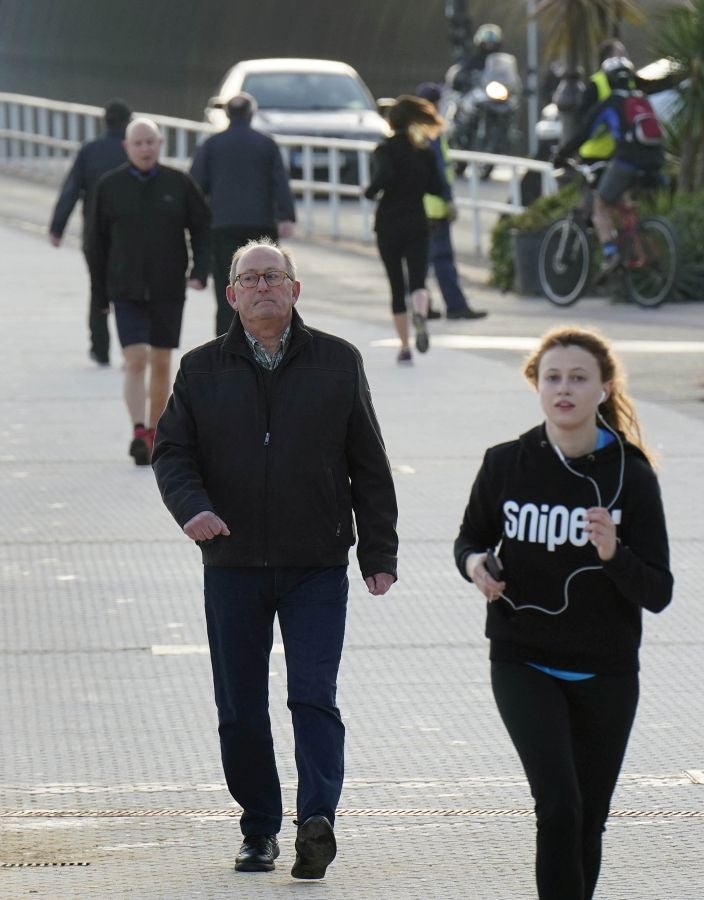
[685, 212]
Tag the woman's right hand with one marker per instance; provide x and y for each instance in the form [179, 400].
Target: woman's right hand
[491, 589]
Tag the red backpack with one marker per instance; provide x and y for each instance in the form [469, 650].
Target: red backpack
[641, 126]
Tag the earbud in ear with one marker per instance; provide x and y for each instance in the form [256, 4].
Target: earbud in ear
[602, 397]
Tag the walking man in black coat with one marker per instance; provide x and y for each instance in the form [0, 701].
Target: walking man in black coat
[94, 159]
[267, 447]
[138, 258]
[241, 171]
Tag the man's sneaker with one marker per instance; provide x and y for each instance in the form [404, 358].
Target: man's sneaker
[422, 339]
[405, 357]
[466, 313]
[141, 446]
[609, 262]
[433, 313]
[257, 853]
[315, 848]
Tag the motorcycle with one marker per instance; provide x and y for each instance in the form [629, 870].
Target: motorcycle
[484, 118]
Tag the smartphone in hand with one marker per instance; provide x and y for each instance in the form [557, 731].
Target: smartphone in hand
[491, 564]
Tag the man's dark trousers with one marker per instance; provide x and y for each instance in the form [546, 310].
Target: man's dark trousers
[240, 605]
[442, 260]
[98, 329]
[224, 241]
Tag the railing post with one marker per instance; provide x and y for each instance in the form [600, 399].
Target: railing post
[365, 207]
[334, 176]
[14, 126]
[43, 129]
[57, 131]
[474, 194]
[182, 145]
[3, 126]
[28, 128]
[308, 210]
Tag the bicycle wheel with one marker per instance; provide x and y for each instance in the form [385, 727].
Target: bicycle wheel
[652, 267]
[564, 262]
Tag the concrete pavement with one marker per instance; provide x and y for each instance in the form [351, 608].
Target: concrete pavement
[110, 781]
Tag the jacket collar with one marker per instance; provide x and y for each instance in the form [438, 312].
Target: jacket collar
[236, 342]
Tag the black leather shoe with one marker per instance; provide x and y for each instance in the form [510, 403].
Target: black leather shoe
[257, 853]
[466, 313]
[315, 848]
[433, 314]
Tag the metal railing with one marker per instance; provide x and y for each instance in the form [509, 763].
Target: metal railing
[41, 133]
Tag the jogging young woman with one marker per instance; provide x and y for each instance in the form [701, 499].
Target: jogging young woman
[575, 508]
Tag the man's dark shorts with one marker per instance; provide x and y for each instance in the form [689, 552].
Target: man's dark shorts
[617, 178]
[148, 322]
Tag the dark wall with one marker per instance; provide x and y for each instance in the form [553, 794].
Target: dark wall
[168, 56]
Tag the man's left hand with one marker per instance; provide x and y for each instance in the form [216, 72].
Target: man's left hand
[196, 284]
[379, 584]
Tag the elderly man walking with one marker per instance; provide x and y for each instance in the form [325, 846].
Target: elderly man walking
[268, 445]
[241, 171]
[94, 159]
[138, 257]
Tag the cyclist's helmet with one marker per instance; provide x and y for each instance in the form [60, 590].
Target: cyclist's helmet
[488, 37]
[619, 71]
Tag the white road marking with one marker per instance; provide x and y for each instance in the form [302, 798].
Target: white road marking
[506, 342]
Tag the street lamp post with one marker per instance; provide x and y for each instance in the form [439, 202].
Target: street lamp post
[532, 78]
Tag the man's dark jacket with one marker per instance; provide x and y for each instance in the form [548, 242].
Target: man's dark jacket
[242, 173]
[93, 160]
[283, 457]
[135, 236]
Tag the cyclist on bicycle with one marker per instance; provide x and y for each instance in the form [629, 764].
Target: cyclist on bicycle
[631, 159]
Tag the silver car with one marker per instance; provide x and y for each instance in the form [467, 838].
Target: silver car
[307, 97]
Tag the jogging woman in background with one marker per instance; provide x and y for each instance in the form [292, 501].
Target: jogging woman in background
[575, 508]
[404, 168]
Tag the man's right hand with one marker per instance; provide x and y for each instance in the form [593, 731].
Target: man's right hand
[205, 526]
[54, 239]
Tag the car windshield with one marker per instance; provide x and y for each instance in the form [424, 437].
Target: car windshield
[305, 90]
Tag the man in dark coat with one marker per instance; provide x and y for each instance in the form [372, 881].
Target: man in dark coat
[241, 171]
[268, 446]
[138, 257]
[94, 159]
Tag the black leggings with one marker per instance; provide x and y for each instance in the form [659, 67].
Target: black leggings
[404, 240]
[571, 737]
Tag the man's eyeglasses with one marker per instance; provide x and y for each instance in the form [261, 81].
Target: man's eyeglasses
[273, 277]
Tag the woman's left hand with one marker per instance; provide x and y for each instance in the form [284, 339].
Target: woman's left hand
[601, 529]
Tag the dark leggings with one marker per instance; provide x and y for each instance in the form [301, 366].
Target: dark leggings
[404, 240]
[571, 737]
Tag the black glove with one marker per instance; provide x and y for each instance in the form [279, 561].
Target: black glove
[558, 159]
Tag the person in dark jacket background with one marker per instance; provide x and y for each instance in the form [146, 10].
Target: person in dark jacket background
[404, 169]
[94, 159]
[138, 258]
[241, 171]
[576, 507]
[268, 445]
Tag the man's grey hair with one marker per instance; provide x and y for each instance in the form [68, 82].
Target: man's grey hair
[142, 120]
[263, 241]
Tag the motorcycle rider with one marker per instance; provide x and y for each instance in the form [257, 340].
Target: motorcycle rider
[487, 39]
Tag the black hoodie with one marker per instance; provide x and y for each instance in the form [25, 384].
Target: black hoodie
[589, 613]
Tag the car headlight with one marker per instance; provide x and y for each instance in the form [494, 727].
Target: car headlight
[496, 91]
